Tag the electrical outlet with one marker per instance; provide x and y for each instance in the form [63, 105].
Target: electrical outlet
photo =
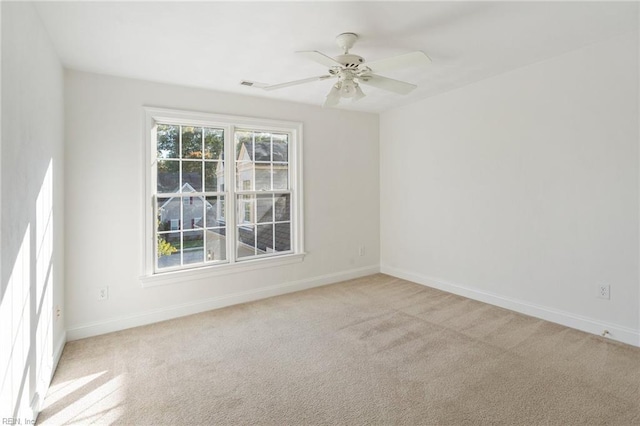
[361, 251]
[103, 293]
[604, 291]
[58, 312]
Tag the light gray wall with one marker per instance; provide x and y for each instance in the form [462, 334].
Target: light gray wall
[31, 228]
[103, 183]
[522, 190]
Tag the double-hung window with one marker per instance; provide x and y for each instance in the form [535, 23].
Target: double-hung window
[222, 191]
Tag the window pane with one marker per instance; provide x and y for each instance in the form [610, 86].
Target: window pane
[214, 144]
[263, 147]
[283, 208]
[191, 176]
[193, 247]
[168, 141]
[283, 236]
[280, 147]
[246, 209]
[168, 250]
[244, 176]
[213, 176]
[214, 212]
[246, 245]
[280, 176]
[244, 148]
[168, 176]
[264, 208]
[192, 212]
[168, 214]
[265, 239]
[216, 244]
[263, 176]
[191, 142]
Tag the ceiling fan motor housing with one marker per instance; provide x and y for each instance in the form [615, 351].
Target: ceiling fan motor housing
[350, 61]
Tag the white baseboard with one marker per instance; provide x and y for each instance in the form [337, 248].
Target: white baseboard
[170, 312]
[589, 325]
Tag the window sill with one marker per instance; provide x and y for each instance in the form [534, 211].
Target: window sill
[176, 277]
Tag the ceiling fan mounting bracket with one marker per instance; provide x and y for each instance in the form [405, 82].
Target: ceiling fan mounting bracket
[346, 41]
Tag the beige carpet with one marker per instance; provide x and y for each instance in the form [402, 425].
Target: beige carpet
[375, 350]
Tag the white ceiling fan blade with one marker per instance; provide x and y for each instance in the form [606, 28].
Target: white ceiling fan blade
[333, 97]
[296, 82]
[320, 58]
[406, 60]
[386, 83]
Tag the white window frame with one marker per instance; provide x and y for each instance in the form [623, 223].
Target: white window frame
[152, 116]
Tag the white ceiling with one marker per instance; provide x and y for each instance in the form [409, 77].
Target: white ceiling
[214, 45]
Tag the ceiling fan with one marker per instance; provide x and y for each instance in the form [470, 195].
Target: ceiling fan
[352, 70]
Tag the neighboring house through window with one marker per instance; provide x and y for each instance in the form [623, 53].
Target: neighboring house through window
[223, 190]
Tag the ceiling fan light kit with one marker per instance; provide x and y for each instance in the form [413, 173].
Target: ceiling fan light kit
[352, 70]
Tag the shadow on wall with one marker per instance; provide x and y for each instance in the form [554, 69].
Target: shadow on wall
[26, 319]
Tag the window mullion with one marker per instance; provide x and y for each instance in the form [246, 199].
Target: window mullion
[152, 159]
[273, 222]
[264, 192]
[230, 205]
[181, 222]
[203, 168]
[253, 161]
[202, 162]
[154, 206]
[293, 181]
[271, 170]
[191, 194]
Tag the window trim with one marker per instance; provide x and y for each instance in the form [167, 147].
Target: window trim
[229, 123]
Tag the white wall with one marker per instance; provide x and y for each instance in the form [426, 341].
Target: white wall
[522, 190]
[31, 336]
[103, 184]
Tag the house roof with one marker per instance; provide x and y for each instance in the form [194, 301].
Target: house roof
[186, 188]
[280, 151]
